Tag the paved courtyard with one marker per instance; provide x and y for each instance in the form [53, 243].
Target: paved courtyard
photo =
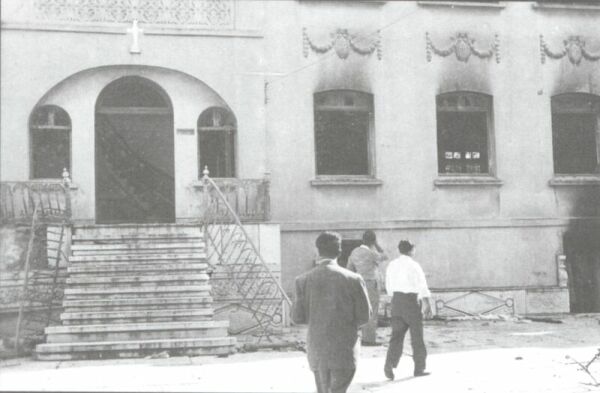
[487, 356]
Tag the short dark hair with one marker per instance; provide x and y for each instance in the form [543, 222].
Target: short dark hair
[369, 238]
[405, 247]
[328, 244]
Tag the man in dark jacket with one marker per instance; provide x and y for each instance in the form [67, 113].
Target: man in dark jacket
[333, 301]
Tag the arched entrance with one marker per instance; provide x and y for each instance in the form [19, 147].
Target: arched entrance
[134, 153]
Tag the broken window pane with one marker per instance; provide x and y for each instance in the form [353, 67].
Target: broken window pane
[50, 142]
[574, 133]
[462, 133]
[342, 126]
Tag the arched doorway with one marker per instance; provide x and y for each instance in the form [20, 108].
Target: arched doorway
[134, 153]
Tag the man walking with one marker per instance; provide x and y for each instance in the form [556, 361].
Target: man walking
[365, 260]
[405, 282]
[333, 301]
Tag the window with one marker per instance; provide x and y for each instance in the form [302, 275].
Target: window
[343, 123]
[216, 142]
[575, 131]
[463, 133]
[50, 131]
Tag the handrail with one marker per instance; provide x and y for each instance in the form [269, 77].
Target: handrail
[239, 224]
[26, 279]
[252, 283]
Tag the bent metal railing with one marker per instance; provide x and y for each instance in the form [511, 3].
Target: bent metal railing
[230, 248]
[37, 280]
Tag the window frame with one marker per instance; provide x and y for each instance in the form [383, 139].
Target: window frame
[34, 127]
[347, 179]
[583, 177]
[233, 129]
[487, 178]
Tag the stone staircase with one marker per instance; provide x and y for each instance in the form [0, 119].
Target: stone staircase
[136, 290]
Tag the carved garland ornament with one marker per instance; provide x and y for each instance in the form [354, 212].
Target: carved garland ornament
[574, 48]
[342, 42]
[463, 47]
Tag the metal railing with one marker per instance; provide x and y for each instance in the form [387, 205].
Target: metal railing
[44, 208]
[230, 249]
[18, 201]
[249, 198]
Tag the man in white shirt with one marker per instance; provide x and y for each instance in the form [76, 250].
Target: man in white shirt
[405, 282]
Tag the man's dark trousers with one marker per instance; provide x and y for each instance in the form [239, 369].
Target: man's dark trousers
[333, 380]
[406, 315]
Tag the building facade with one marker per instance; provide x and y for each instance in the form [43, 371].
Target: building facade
[471, 129]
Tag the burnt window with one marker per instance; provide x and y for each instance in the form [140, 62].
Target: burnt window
[463, 133]
[575, 129]
[216, 142]
[50, 132]
[343, 123]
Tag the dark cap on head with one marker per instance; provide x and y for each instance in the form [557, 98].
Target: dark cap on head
[369, 238]
[405, 247]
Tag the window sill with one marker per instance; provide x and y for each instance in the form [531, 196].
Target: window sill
[575, 180]
[477, 181]
[335, 181]
[562, 7]
[469, 4]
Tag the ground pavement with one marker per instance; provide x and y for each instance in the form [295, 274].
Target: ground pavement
[487, 356]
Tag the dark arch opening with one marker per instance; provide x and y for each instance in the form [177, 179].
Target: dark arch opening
[50, 142]
[134, 153]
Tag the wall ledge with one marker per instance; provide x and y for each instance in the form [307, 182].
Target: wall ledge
[562, 7]
[575, 180]
[111, 28]
[457, 4]
[477, 181]
[336, 181]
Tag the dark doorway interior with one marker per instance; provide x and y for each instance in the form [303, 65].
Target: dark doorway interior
[582, 250]
[134, 154]
[347, 247]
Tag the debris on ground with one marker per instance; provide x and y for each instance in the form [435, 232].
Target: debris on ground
[544, 319]
[160, 355]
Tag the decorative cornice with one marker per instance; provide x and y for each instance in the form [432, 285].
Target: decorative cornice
[342, 42]
[573, 47]
[463, 47]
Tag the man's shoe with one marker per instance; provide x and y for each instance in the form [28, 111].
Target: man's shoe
[421, 373]
[389, 372]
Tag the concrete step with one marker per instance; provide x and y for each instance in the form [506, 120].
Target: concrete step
[146, 279]
[135, 316]
[107, 268]
[139, 232]
[136, 331]
[184, 301]
[193, 248]
[128, 246]
[129, 349]
[140, 292]
[74, 292]
[129, 258]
